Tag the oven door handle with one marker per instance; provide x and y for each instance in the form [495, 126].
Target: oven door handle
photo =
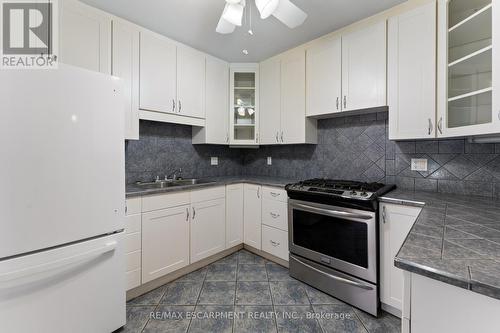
[331, 212]
[337, 278]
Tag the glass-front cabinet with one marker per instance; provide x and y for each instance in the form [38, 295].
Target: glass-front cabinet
[244, 105]
[469, 66]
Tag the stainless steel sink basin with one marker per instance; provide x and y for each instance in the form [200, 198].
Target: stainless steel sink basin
[172, 183]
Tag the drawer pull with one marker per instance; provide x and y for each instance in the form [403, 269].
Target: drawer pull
[274, 194]
[274, 215]
[273, 243]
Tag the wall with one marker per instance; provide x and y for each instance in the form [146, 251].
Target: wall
[354, 147]
[162, 148]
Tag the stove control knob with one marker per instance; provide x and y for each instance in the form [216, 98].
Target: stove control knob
[353, 193]
[364, 194]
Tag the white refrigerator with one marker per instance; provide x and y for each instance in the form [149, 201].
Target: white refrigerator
[62, 199]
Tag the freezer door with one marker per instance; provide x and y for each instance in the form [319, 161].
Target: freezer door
[62, 158]
[76, 288]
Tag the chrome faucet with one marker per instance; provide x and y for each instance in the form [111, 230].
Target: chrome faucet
[174, 175]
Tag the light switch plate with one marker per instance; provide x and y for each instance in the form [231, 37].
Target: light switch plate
[214, 161]
[419, 164]
[269, 160]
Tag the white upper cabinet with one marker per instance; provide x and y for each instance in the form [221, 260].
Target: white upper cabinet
[216, 129]
[84, 36]
[324, 77]
[468, 67]
[190, 82]
[125, 65]
[364, 58]
[412, 74]
[270, 101]
[158, 79]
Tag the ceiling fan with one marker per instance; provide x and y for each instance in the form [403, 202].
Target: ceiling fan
[284, 10]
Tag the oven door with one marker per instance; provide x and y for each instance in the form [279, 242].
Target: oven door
[342, 238]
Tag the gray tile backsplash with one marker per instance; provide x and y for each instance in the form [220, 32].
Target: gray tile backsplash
[353, 147]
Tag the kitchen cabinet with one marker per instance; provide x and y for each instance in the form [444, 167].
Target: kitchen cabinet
[283, 113]
[133, 247]
[208, 226]
[468, 62]
[84, 36]
[244, 105]
[158, 79]
[412, 74]
[252, 215]
[125, 65]
[396, 223]
[216, 129]
[190, 82]
[364, 58]
[234, 215]
[275, 242]
[324, 77]
[165, 241]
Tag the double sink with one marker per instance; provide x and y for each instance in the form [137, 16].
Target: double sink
[172, 183]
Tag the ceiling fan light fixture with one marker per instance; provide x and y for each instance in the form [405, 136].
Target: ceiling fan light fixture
[233, 13]
[289, 14]
[266, 7]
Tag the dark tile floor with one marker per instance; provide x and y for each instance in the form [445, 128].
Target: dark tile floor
[246, 293]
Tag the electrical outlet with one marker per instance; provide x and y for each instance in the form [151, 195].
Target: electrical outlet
[419, 164]
[214, 161]
[269, 160]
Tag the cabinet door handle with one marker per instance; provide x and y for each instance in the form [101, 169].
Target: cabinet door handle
[180, 106]
[345, 102]
[282, 137]
[273, 243]
[430, 127]
[187, 214]
[337, 103]
[194, 213]
[383, 214]
[274, 194]
[257, 137]
[277, 137]
[274, 215]
[173, 105]
[440, 125]
[258, 192]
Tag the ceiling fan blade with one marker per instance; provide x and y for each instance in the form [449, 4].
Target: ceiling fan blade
[225, 27]
[233, 13]
[291, 15]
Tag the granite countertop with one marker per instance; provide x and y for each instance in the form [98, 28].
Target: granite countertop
[456, 240]
[133, 190]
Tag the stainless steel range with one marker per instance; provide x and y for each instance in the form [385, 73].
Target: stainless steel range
[333, 239]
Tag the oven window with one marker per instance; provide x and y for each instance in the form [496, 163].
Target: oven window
[332, 236]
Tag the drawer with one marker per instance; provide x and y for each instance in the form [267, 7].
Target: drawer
[133, 279]
[132, 242]
[157, 202]
[275, 242]
[211, 193]
[274, 193]
[133, 260]
[133, 206]
[275, 214]
[133, 223]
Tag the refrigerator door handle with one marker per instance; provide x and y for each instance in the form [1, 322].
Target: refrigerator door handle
[56, 264]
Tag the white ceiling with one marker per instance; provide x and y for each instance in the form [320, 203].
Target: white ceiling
[193, 22]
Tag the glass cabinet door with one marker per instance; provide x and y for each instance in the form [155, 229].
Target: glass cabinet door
[244, 105]
[469, 63]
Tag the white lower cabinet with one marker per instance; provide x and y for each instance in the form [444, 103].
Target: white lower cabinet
[165, 245]
[208, 226]
[234, 215]
[396, 222]
[252, 215]
[275, 242]
[133, 226]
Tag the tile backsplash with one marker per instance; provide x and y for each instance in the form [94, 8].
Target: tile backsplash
[353, 147]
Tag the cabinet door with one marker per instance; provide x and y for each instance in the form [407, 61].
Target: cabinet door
[324, 77]
[396, 223]
[412, 74]
[157, 74]
[293, 97]
[84, 37]
[125, 65]
[165, 242]
[234, 215]
[364, 58]
[208, 226]
[252, 215]
[270, 101]
[216, 103]
[190, 82]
